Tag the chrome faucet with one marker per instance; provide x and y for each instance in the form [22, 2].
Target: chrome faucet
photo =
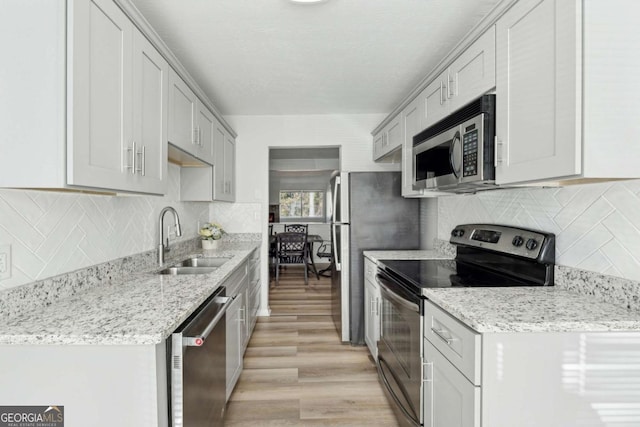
[161, 247]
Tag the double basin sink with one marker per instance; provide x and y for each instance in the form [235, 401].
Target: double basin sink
[198, 265]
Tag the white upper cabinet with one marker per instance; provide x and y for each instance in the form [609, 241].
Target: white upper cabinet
[117, 138]
[102, 84]
[225, 170]
[205, 133]
[150, 96]
[100, 139]
[191, 124]
[566, 84]
[388, 140]
[469, 76]
[217, 182]
[411, 121]
[537, 93]
[182, 114]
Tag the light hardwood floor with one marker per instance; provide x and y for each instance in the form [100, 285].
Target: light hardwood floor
[298, 373]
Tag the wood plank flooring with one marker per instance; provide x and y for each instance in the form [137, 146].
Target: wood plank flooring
[298, 373]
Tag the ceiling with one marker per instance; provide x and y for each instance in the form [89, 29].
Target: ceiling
[255, 57]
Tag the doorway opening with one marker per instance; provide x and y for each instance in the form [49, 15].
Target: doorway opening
[300, 199]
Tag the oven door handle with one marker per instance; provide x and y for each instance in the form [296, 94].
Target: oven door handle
[390, 295]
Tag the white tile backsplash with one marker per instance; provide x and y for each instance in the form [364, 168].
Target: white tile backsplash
[597, 225]
[58, 232]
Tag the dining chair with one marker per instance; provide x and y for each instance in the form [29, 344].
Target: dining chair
[325, 250]
[296, 228]
[291, 250]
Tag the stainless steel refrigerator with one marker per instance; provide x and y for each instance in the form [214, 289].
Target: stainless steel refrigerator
[368, 213]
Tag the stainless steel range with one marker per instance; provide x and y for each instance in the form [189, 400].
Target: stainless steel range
[486, 256]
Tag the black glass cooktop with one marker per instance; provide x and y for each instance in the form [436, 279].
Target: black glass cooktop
[451, 273]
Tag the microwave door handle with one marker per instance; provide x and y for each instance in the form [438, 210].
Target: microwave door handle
[455, 168]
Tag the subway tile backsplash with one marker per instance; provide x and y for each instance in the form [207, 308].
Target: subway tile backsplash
[597, 225]
[56, 232]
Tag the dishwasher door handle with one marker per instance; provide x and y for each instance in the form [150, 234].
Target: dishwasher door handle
[197, 340]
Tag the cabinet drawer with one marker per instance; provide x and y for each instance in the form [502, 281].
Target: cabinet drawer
[459, 344]
[234, 281]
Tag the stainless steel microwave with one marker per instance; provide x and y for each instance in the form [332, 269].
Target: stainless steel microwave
[457, 153]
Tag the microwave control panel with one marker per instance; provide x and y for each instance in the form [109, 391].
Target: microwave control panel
[470, 151]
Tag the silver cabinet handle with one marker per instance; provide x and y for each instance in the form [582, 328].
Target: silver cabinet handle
[440, 334]
[450, 93]
[497, 151]
[441, 89]
[132, 166]
[144, 160]
[242, 315]
[139, 168]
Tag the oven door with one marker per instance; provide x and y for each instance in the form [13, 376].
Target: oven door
[437, 161]
[399, 359]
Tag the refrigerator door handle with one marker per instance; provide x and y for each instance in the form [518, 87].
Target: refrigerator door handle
[336, 191]
[336, 251]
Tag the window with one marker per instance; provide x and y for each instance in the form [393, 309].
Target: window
[302, 204]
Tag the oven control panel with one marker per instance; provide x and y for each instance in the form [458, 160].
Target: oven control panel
[521, 242]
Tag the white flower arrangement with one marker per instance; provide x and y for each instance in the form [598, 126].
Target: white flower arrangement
[211, 231]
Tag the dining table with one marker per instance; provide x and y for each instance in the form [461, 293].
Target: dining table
[311, 239]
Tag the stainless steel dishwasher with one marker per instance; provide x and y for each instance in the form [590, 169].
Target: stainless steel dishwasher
[197, 365]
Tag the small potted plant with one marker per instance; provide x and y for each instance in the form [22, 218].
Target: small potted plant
[210, 233]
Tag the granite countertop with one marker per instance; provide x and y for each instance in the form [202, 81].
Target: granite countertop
[532, 309]
[522, 309]
[140, 309]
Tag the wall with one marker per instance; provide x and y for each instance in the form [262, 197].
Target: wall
[53, 233]
[597, 225]
[256, 134]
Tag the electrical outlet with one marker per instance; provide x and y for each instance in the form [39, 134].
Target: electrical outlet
[5, 262]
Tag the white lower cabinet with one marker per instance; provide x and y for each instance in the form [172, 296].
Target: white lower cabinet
[450, 399]
[236, 320]
[371, 308]
[527, 379]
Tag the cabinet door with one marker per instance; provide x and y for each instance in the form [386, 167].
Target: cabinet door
[434, 101]
[182, 110]
[100, 111]
[150, 100]
[229, 168]
[395, 134]
[537, 91]
[206, 125]
[450, 400]
[411, 118]
[234, 342]
[473, 73]
[378, 144]
[219, 185]
[372, 316]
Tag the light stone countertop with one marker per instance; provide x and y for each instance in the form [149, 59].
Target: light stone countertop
[522, 309]
[140, 309]
[532, 309]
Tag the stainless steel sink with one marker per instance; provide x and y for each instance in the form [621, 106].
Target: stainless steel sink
[187, 270]
[201, 262]
[197, 265]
